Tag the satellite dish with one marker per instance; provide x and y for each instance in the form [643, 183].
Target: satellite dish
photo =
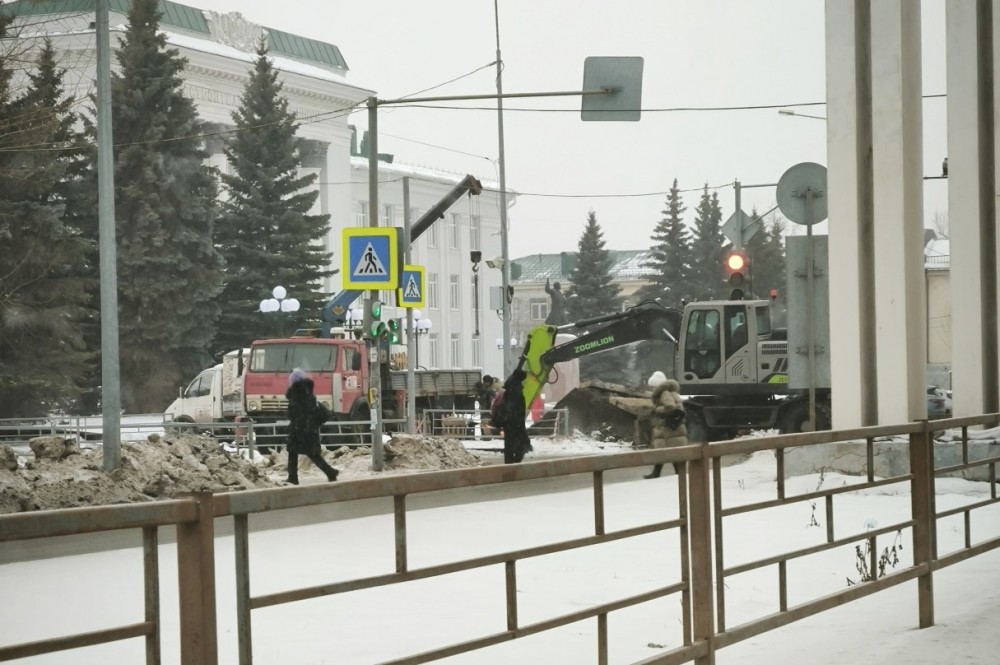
[793, 189]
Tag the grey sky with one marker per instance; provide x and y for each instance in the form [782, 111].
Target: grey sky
[705, 53]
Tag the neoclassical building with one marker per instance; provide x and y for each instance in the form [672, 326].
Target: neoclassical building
[220, 49]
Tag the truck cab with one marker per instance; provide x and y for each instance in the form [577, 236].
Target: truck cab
[337, 367]
[198, 402]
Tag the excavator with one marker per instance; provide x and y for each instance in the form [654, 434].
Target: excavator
[731, 364]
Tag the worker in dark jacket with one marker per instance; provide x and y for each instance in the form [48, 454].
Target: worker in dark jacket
[305, 416]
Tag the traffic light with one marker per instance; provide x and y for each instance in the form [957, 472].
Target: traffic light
[736, 264]
[394, 335]
[374, 326]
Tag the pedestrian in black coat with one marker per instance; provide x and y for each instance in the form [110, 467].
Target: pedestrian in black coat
[305, 416]
[510, 414]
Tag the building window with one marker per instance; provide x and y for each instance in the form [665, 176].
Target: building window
[454, 292]
[434, 345]
[456, 350]
[414, 216]
[474, 231]
[539, 309]
[361, 217]
[432, 290]
[387, 217]
[477, 352]
[432, 236]
[454, 241]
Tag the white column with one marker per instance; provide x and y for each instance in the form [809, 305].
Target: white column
[964, 208]
[897, 161]
[338, 200]
[849, 175]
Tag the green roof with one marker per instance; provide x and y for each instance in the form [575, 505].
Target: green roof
[304, 48]
[174, 14]
[190, 19]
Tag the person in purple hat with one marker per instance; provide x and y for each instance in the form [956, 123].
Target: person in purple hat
[305, 417]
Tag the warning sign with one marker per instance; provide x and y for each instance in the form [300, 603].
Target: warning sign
[412, 292]
[370, 264]
[370, 258]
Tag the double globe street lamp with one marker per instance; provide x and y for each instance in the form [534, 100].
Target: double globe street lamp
[421, 326]
[281, 304]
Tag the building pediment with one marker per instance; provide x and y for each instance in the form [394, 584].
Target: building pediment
[232, 29]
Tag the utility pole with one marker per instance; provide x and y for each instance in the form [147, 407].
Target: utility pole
[738, 231]
[411, 338]
[508, 360]
[110, 366]
[374, 365]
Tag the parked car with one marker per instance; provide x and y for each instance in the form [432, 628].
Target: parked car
[938, 403]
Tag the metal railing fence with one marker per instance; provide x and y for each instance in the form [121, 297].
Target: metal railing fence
[700, 577]
[475, 424]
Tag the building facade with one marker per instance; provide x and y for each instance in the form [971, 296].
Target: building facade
[220, 49]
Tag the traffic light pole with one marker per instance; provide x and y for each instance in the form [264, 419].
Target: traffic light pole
[374, 353]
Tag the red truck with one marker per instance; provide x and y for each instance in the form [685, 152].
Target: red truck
[339, 369]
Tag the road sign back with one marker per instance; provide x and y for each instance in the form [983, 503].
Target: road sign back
[370, 258]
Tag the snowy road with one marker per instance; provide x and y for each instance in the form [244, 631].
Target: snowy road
[379, 624]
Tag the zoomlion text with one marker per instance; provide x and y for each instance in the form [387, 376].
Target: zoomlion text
[596, 344]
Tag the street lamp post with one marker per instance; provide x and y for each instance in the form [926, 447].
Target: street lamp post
[354, 319]
[800, 115]
[501, 345]
[281, 304]
[421, 326]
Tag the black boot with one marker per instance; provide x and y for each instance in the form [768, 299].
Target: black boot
[655, 473]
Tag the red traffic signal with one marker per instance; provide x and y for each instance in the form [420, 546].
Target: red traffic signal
[736, 263]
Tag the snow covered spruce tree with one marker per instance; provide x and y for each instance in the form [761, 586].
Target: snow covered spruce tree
[766, 250]
[593, 292]
[169, 272]
[706, 249]
[669, 268]
[265, 232]
[43, 301]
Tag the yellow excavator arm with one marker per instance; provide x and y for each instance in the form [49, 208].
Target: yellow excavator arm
[645, 321]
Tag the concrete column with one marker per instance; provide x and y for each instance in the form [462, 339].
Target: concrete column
[900, 301]
[971, 206]
[851, 266]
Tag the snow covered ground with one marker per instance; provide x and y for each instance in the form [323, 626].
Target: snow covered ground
[43, 598]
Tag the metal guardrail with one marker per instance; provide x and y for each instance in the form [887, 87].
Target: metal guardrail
[703, 507]
[475, 424]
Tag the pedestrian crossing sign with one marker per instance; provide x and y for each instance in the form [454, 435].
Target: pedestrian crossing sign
[370, 258]
[412, 287]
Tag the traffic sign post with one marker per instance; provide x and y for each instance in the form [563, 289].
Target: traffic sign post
[412, 286]
[801, 195]
[370, 258]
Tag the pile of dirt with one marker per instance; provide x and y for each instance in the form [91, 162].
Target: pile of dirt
[60, 474]
[403, 453]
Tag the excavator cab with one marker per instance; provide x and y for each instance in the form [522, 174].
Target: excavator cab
[721, 344]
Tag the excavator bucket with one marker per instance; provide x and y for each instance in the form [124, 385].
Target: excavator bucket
[607, 410]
